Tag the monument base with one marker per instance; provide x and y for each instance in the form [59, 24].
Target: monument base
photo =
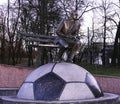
[108, 98]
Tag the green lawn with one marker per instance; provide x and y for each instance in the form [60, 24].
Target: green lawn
[102, 70]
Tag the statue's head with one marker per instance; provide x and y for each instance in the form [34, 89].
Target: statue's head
[74, 14]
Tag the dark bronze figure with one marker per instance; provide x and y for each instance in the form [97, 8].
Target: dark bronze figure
[67, 32]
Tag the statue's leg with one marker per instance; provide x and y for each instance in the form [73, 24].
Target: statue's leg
[60, 53]
[74, 50]
[62, 49]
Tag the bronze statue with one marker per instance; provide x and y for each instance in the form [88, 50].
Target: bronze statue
[67, 32]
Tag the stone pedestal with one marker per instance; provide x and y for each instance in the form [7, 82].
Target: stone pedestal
[108, 98]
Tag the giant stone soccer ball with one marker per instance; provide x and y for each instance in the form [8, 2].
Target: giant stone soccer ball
[60, 81]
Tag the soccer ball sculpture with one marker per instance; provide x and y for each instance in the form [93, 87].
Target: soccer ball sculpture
[60, 81]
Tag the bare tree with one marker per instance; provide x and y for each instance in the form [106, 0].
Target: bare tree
[39, 16]
[116, 51]
[2, 35]
[106, 14]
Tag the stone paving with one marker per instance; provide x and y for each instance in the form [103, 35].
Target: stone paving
[12, 76]
[109, 84]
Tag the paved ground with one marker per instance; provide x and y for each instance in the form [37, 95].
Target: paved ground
[12, 76]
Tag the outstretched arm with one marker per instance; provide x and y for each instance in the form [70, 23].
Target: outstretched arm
[59, 29]
[77, 31]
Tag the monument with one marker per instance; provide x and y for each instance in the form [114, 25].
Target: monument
[62, 82]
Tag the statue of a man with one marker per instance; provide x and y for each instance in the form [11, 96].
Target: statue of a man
[67, 32]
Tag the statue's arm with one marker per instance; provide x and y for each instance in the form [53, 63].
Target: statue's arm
[59, 29]
[78, 28]
[77, 31]
[76, 34]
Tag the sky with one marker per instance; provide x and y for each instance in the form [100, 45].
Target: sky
[3, 1]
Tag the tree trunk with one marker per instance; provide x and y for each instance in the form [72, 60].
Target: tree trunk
[104, 41]
[116, 50]
[3, 42]
[43, 21]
